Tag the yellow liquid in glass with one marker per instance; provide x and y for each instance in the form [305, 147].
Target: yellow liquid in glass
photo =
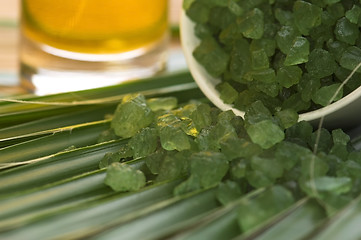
[95, 26]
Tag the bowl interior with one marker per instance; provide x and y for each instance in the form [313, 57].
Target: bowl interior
[346, 112]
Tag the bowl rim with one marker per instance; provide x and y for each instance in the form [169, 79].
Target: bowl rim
[207, 83]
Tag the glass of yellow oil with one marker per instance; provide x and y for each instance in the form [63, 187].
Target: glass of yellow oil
[72, 45]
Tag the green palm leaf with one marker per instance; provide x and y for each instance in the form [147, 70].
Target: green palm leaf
[79, 136]
[55, 167]
[21, 132]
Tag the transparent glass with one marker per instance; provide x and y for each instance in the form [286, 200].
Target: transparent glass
[72, 45]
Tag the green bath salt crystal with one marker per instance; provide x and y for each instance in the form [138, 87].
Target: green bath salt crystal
[268, 45]
[308, 86]
[354, 15]
[288, 76]
[202, 116]
[323, 185]
[252, 24]
[173, 166]
[228, 192]
[108, 159]
[345, 31]
[171, 134]
[122, 177]
[227, 93]
[209, 167]
[307, 16]
[271, 168]
[298, 52]
[265, 133]
[211, 56]
[351, 58]
[144, 143]
[340, 137]
[285, 37]
[325, 94]
[259, 59]
[321, 63]
[287, 117]
[131, 115]
[264, 75]
[166, 103]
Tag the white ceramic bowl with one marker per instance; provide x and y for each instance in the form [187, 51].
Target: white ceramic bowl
[345, 113]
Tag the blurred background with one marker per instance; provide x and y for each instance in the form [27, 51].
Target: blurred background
[9, 11]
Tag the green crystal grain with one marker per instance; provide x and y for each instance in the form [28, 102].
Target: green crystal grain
[240, 60]
[108, 159]
[171, 133]
[287, 117]
[201, 116]
[238, 169]
[265, 75]
[346, 32]
[313, 166]
[350, 58]
[349, 169]
[270, 89]
[258, 179]
[307, 16]
[340, 151]
[354, 14]
[308, 86]
[211, 138]
[221, 17]
[190, 185]
[230, 35]
[122, 178]
[268, 45]
[288, 76]
[265, 133]
[174, 166]
[211, 56]
[257, 112]
[228, 192]
[296, 103]
[324, 184]
[235, 8]
[164, 103]
[301, 132]
[321, 63]
[328, 94]
[259, 59]
[197, 11]
[209, 167]
[298, 52]
[285, 38]
[330, 2]
[340, 137]
[154, 161]
[145, 142]
[252, 24]
[131, 115]
[289, 154]
[284, 17]
[227, 93]
[336, 10]
[234, 147]
[271, 168]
